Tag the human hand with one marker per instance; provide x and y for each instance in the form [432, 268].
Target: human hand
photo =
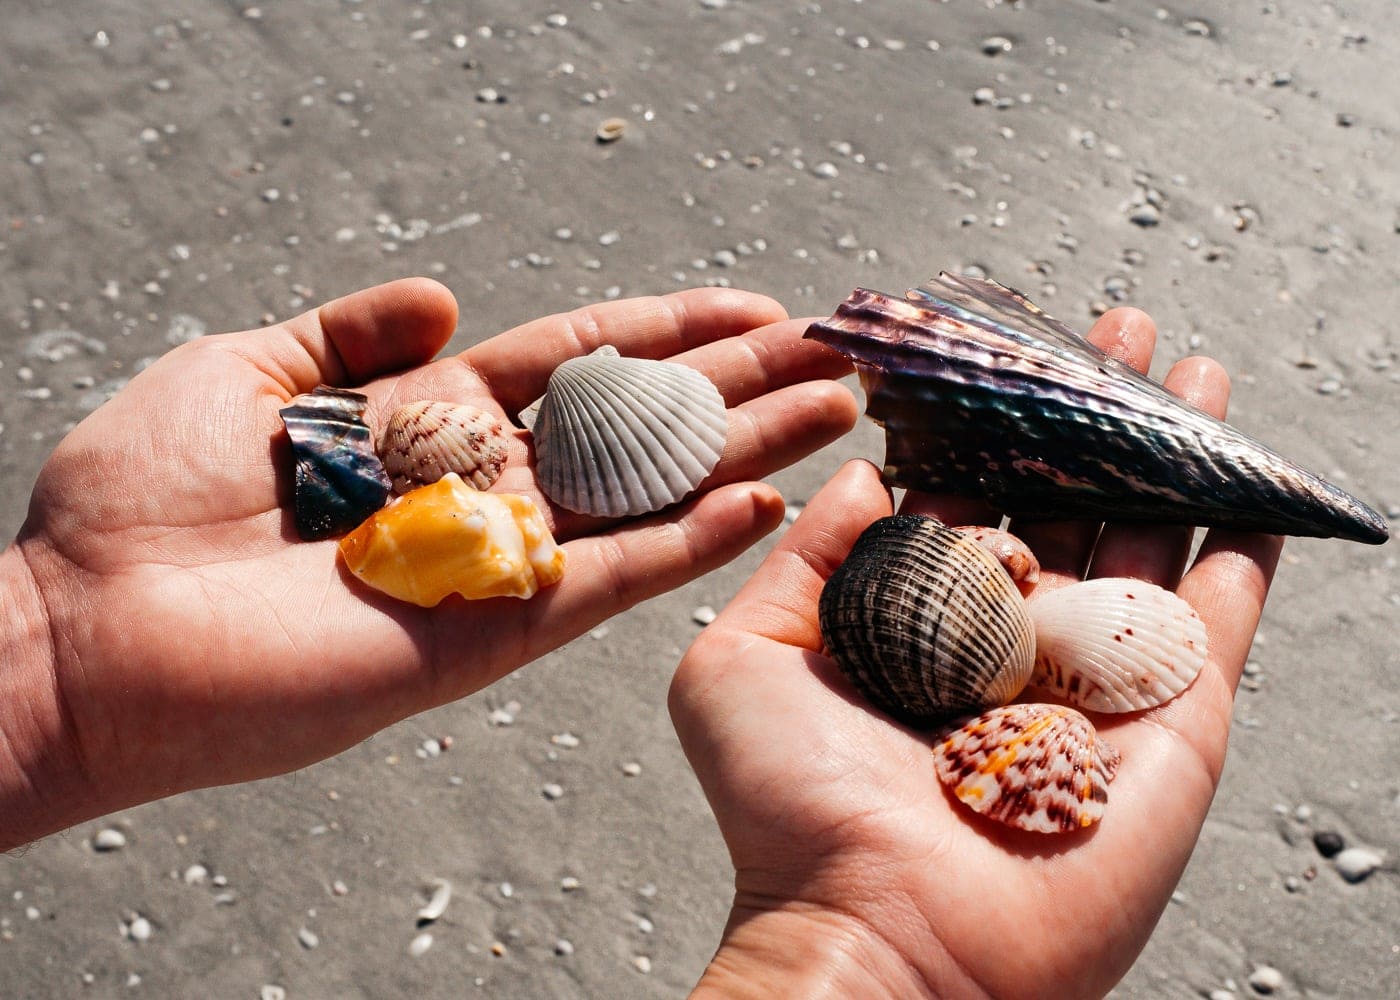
[167, 629]
[857, 873]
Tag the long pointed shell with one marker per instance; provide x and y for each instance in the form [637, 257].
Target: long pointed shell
[1116, 645]
[1034, 767]
[339, 479]
[424, 441]
[982, 394]
[925, 622]
[449, 538]
[616, 436]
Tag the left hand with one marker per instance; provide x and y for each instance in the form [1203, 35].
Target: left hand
[178, 634]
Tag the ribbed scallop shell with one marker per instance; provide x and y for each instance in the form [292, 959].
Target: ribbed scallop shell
[424, 441]
[616, 436]
[1041, 768]
[925, 622]
[1116, 645]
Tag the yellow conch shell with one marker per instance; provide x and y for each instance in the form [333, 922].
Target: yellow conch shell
[448, 538]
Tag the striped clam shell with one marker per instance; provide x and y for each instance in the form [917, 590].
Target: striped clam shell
[1116, 645]
[617, 436]
[1034, 767]
[925, 622]
[424, 441]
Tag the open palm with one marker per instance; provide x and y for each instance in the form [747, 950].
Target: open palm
[195, 640]
[857, 873]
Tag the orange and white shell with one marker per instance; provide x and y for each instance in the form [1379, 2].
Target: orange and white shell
[448, 538]
[424, 441]
[1041, 768]
[1115, 645]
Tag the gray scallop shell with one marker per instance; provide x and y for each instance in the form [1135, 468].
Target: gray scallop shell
[925, 623]
[616, 436]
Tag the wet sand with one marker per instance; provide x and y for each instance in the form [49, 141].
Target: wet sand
[193, 168]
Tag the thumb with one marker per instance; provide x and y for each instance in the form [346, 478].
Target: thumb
[357, 337]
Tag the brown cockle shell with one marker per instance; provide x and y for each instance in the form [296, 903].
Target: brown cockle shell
[1041, 768]
[925, 622]
[424, 441]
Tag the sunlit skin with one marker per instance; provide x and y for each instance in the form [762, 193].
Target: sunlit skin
[856, 872]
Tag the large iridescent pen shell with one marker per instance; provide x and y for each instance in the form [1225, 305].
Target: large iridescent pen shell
[925, 622]
[616, 436]
[982, 394]
[447, 538]
[1116, 645]
[1035, 767]
[339, 478]
[424, 441]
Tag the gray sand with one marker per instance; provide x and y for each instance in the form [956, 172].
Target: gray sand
[169, 172]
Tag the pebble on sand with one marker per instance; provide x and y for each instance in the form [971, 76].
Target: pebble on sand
[1266, 979]
[109, 839]
[1329, 843]
[1355, 863]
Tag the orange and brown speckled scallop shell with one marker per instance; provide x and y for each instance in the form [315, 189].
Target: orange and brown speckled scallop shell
[424, 441]
[1034, 767]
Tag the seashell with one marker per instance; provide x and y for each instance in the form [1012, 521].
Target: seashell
[611, 129]
[424, 441]
[1041, 768]
[616, 436]
[1116, 645]
[449, 538]
[925, 622]
[339, 479]
[982, 394]
[1014, 555]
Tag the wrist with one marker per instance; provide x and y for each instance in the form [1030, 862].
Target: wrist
[43, 787]
[805, 954]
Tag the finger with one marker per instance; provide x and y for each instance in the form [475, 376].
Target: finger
[357, 337]
[1157, 552]
[781, 427]
[952, 511]
[744, 368]
[609, 573]
[1227, 586]
[1064, 547]
[517, 364]
[779, 601]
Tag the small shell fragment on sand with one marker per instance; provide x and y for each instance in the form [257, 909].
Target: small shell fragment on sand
[109, 839]
[610, 129]
[437, 905]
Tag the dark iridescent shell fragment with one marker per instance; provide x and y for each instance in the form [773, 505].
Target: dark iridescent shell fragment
[982, 394]
[339, 478]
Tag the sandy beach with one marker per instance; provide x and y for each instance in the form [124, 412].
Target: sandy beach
[181, 169]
